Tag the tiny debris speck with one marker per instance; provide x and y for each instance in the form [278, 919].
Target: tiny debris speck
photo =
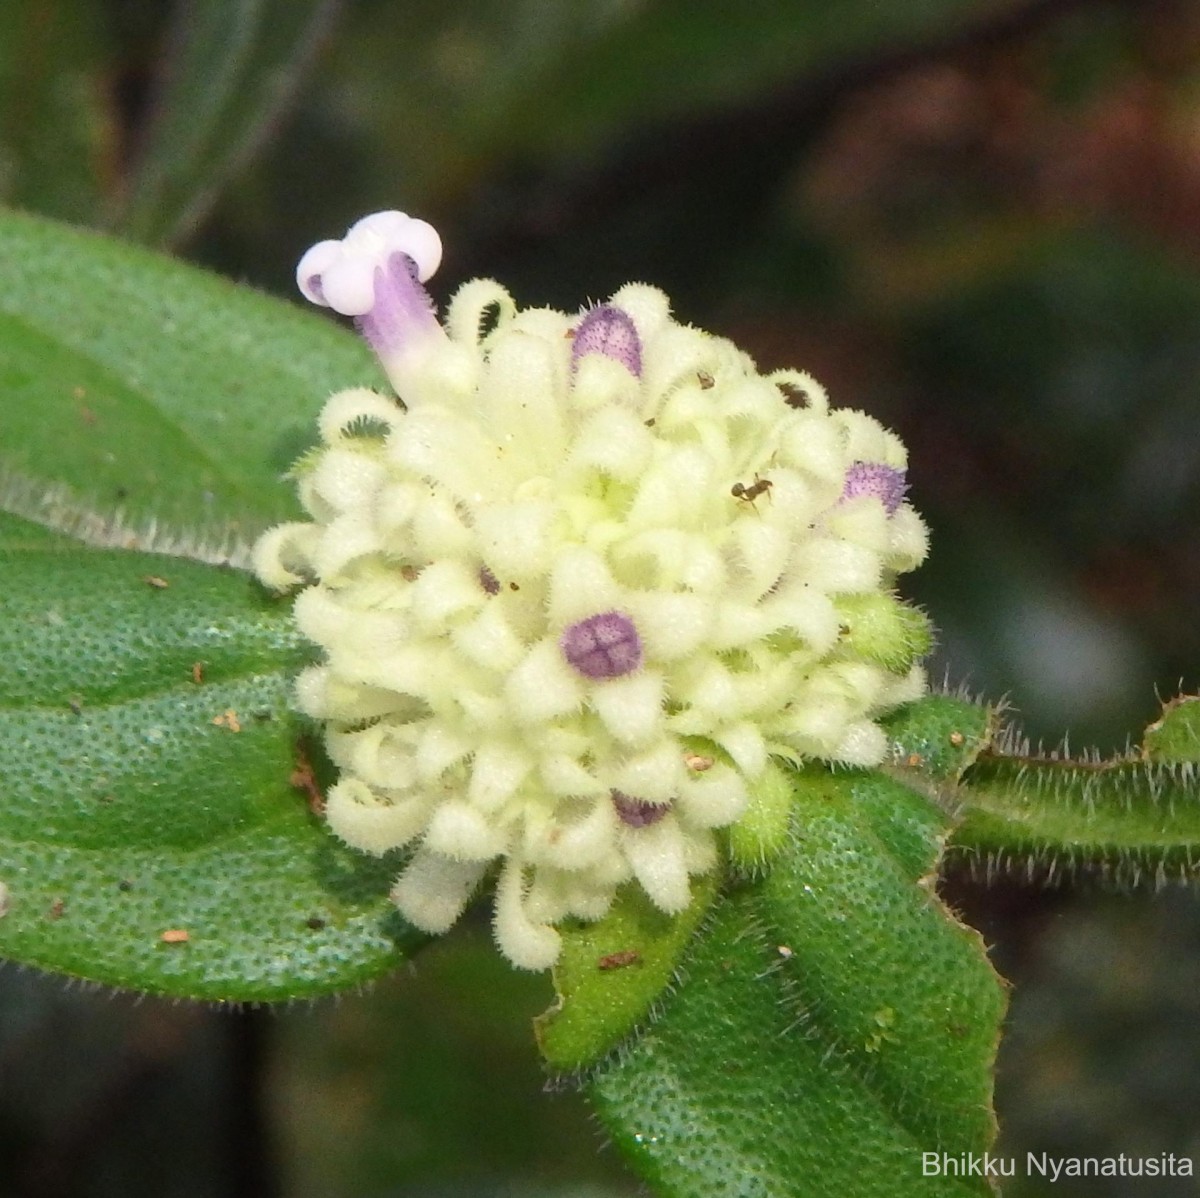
[621, 960]
[228, 719]
[304, 779]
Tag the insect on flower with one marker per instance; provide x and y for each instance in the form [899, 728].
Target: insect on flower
[760, 486]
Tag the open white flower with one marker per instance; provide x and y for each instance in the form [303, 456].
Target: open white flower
[576, 587]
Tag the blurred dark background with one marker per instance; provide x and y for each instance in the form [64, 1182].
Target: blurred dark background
[977, 219]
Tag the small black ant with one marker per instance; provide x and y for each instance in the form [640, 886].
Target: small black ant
[760, 486]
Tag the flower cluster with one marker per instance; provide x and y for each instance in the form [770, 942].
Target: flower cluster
[575, 586]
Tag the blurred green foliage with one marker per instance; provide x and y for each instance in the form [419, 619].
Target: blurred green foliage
[980, 221]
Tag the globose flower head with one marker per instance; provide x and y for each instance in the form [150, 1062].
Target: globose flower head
[574, 585]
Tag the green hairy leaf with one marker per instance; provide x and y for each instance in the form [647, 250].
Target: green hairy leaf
[611, 972]
[141, 398]
[832, 1024]
[939, 736]
[151, 836]
[1175, 735]
[144, 726]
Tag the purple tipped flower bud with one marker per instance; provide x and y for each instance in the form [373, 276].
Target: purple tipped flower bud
[885, 483]
[637, 813]
[603, 646]
[609, 331]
